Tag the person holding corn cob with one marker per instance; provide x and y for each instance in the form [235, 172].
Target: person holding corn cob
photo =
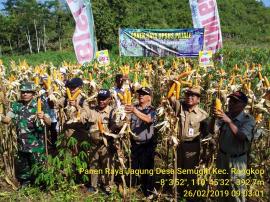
[76, 110]
[192, 128]
[235, 129]
[30, 118]
[102, 151]
[143, 144]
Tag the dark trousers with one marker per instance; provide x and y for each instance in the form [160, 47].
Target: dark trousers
[53, 133]
[24, 163]
[188, 157]
[142, 157]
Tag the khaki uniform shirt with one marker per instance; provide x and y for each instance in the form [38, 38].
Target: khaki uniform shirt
[228, 142]
[70, 114]
[192, 123]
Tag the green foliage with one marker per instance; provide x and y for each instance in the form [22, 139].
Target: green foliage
[62, 170]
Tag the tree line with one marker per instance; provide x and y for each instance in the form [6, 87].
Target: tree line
[30, 26]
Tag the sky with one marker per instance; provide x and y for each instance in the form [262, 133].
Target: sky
[266, 3]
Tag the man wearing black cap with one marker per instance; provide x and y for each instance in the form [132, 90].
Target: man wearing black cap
[236, 133]
[76, 109]
[143, 117]
[102, 151]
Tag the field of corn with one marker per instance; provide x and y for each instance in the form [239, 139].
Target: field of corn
[246, 70]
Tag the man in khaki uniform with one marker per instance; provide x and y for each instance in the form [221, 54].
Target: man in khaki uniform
[193, 126]
[236, 134]
[75, 113]
[102, 150]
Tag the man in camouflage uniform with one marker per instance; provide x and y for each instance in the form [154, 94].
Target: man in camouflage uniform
[30, 129]
[192, 128]
[236, 133]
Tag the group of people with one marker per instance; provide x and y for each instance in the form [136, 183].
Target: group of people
[91, 123]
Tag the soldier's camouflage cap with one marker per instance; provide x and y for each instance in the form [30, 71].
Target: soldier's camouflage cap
[27, 86]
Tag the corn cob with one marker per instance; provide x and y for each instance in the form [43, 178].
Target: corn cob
[260, 75]
[218, 104]
[144, 82]
[100, 126]
[125, 96]
[171, 91]
[68, 94]
[76, 94]
[36, 80]
[178, 88]
[129, 98]
[258, 118]
[231, 82]
[120, 96]
[266, 82]
[90, 76]
[184, 74]
[38, 105]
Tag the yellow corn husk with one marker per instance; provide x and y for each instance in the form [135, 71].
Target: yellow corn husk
[120, 96]
[54, 74]
[218, 104]
[249, 85]
[252, 67]
[125, 97]
[236, 67]
[220, 83]
[188, 83]
[38, 105]
[184, 74]
[246, 87]
[49, 82]
[144, 83]
[55, 88]
[161, 62]
[259, 67]
[68, 94]
[76, 94]
[129, 98]
[1, 62]
[178, 90]
[185, 63]
[135, 77]
[168, 72]
[90, 76]
[36, 81]
[78, 116]
[95, 66]
[260, 75]
[174, 65]
[100, 126]
[171, 91]
[259, 118]
[266, 82]
[232, 80]
[241, 80]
